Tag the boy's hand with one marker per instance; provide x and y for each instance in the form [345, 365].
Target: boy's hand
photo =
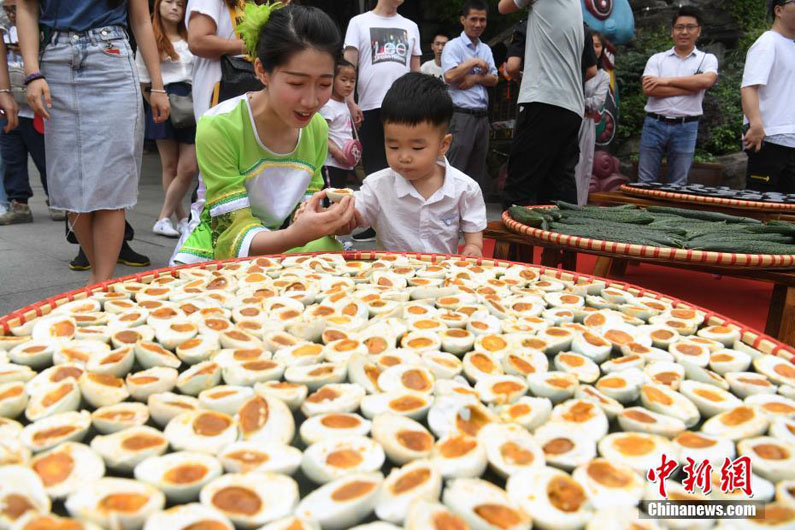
[355, 222]
[472, 250]
[473, 244]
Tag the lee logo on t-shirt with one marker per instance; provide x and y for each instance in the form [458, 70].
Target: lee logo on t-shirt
[389, 45]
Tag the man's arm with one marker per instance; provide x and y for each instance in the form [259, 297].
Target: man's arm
[351, 54]
[415, 63]
[506, 7]
[693, 83]
[756, 131]
[203, 42]
[513, 67]
[665, 92]
[8, 105]
[457, 74]
[489, 80]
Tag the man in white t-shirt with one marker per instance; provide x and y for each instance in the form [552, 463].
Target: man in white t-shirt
[434, 66]
[384, 46]
[767, 93]
[675, 82]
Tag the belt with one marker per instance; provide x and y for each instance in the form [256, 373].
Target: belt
[679, 120]
[105, 33]
[478, 113]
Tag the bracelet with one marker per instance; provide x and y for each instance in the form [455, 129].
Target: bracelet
[33, 77]
[5, 90]
[157, 91]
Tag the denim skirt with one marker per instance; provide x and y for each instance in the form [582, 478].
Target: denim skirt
[94, 137]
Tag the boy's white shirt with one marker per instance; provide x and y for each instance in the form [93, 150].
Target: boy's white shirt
[405, 221]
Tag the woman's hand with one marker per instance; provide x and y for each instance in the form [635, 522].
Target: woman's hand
[38, 94]
[10, 109]
[312, 221]
[161, 108]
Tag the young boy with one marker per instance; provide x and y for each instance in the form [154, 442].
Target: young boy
[338, 168]
[421, 203]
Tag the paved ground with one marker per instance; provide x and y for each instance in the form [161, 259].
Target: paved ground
[34, 256]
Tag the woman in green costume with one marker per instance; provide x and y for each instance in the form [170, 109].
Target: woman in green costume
[261, 153]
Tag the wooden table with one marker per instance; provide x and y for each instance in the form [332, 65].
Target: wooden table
[781, 314]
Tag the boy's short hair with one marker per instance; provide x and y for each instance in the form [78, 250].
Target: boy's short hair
[415, 98]
[343, 63]
[477, 5]
[687, 11]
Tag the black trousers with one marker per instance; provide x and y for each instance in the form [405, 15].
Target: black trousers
[771, 169]
[15, 146]
[544, 155]
[371, 135]
[336, 177]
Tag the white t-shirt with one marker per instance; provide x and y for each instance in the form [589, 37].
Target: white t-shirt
[340, 128]
[669, 64]
[405, 221]
[172, 71]
[207, 72]
[770, 63]
[431, 68]
[386, 46]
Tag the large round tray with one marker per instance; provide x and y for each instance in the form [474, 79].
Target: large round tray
[647, 253]
[739, 204]
[750, 337]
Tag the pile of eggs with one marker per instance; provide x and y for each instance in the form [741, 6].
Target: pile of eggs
[313, 392]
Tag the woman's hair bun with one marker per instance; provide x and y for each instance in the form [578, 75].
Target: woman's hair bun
[256, 16]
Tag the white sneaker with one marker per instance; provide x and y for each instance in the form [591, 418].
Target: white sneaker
[164, 228]
[182, 226]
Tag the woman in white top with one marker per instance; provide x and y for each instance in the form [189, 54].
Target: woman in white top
[595, 95]
[211, 35]
[175, 145]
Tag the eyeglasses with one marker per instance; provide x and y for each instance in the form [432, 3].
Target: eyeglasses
[690, 28]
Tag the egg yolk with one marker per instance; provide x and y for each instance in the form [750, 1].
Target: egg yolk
[237, 500]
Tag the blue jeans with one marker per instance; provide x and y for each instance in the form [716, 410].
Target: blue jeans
[15, 147]
[676, 141]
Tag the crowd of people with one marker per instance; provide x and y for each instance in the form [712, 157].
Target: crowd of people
[264, 109]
